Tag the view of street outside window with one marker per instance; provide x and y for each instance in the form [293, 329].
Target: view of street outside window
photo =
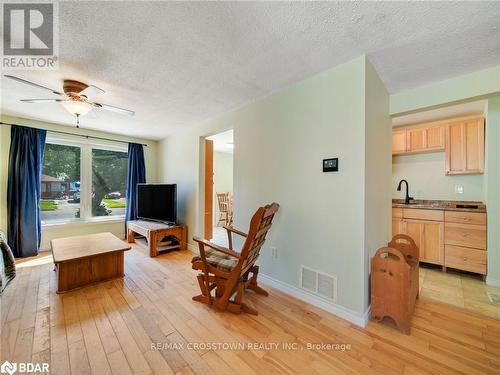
[109, 182]
[60, 183]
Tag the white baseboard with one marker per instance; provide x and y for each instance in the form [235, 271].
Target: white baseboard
[492, 282]
[352, 316]
[193, 248]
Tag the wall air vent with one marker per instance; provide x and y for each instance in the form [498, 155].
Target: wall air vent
[319, 283]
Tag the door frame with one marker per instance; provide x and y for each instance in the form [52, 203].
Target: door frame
[208, 193]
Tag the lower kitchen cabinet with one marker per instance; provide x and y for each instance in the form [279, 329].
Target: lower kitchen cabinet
[429, 237]
[464, 258]
[451, 239]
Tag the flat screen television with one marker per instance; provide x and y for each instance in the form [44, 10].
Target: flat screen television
[157, 202]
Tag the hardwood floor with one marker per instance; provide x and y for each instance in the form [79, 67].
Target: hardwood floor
[113, 327]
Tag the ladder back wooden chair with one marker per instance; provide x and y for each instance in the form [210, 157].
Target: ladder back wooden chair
[225, 208]
[229, 272]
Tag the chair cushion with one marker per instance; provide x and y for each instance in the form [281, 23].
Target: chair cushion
[218, 260]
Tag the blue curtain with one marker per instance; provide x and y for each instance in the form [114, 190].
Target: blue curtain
[23, 190]
[136, 175]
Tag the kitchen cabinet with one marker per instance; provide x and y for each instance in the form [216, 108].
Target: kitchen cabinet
[398, 141]
[454, 239]
[435, 138]
[418, 139]
[429, 237]
[425, 139]
[415, 139]
[472, 260]
[465, 147]
[397, 226]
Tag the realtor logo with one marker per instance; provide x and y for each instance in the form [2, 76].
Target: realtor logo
[29, 35]
[28, 29]
[8, 368]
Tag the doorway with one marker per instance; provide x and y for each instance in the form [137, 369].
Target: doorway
[219, 149]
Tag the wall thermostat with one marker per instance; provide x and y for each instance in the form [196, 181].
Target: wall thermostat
[331, 165]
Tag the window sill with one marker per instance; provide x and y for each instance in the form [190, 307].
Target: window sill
[88, 221]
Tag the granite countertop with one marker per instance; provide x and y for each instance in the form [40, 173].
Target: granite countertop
[466, 206]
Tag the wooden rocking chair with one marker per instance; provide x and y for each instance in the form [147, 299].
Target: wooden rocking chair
[227, 271]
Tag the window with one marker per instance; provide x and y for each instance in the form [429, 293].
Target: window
[82, 180]
[60, 176]
[109, 182]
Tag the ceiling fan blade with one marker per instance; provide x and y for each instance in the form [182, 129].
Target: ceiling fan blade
[32, 84]
[92, 91]
[41, 100]
[115, 109]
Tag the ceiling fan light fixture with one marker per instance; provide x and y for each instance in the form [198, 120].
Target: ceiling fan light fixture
[76, 107]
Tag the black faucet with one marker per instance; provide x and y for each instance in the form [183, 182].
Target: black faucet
[407, 198]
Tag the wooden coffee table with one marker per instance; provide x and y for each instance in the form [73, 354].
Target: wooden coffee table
[84, 260]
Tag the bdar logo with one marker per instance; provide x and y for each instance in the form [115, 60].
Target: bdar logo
[8, 368]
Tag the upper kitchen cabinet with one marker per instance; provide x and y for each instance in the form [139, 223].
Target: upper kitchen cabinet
[465, 147]
[398, 142]
[425, 139]
[417, 139]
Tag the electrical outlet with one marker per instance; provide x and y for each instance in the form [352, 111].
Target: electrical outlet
[274, 252]
[459, 189]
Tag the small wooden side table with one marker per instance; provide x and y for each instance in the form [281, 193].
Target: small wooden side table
[155, 232]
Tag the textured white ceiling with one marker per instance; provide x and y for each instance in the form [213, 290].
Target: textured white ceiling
[177, 64]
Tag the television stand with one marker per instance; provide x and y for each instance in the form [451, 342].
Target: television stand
[154, 232]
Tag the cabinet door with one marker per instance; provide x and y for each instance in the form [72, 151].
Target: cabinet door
[474, 146]
[397, 226]
[415, 139]
[455, 148]
[398, 141]
[429, 237]
[414, 229]
[435, 138]
[465, 147]
[433, 242]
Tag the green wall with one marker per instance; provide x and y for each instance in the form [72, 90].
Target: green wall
[426, 175]
[329, 222]
[463, 88]
[493, 189]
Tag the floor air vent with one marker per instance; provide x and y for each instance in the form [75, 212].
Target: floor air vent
[318, 283]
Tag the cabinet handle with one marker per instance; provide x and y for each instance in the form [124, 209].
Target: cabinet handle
[465, 259]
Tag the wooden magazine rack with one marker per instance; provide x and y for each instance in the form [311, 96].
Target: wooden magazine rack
[394, 281]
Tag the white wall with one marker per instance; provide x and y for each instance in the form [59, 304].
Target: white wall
[54, 231]
[426, 175]
[280, 142]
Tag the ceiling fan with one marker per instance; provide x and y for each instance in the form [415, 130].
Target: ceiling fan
[75, 98]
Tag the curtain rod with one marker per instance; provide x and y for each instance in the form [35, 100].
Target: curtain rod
[77, 135]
